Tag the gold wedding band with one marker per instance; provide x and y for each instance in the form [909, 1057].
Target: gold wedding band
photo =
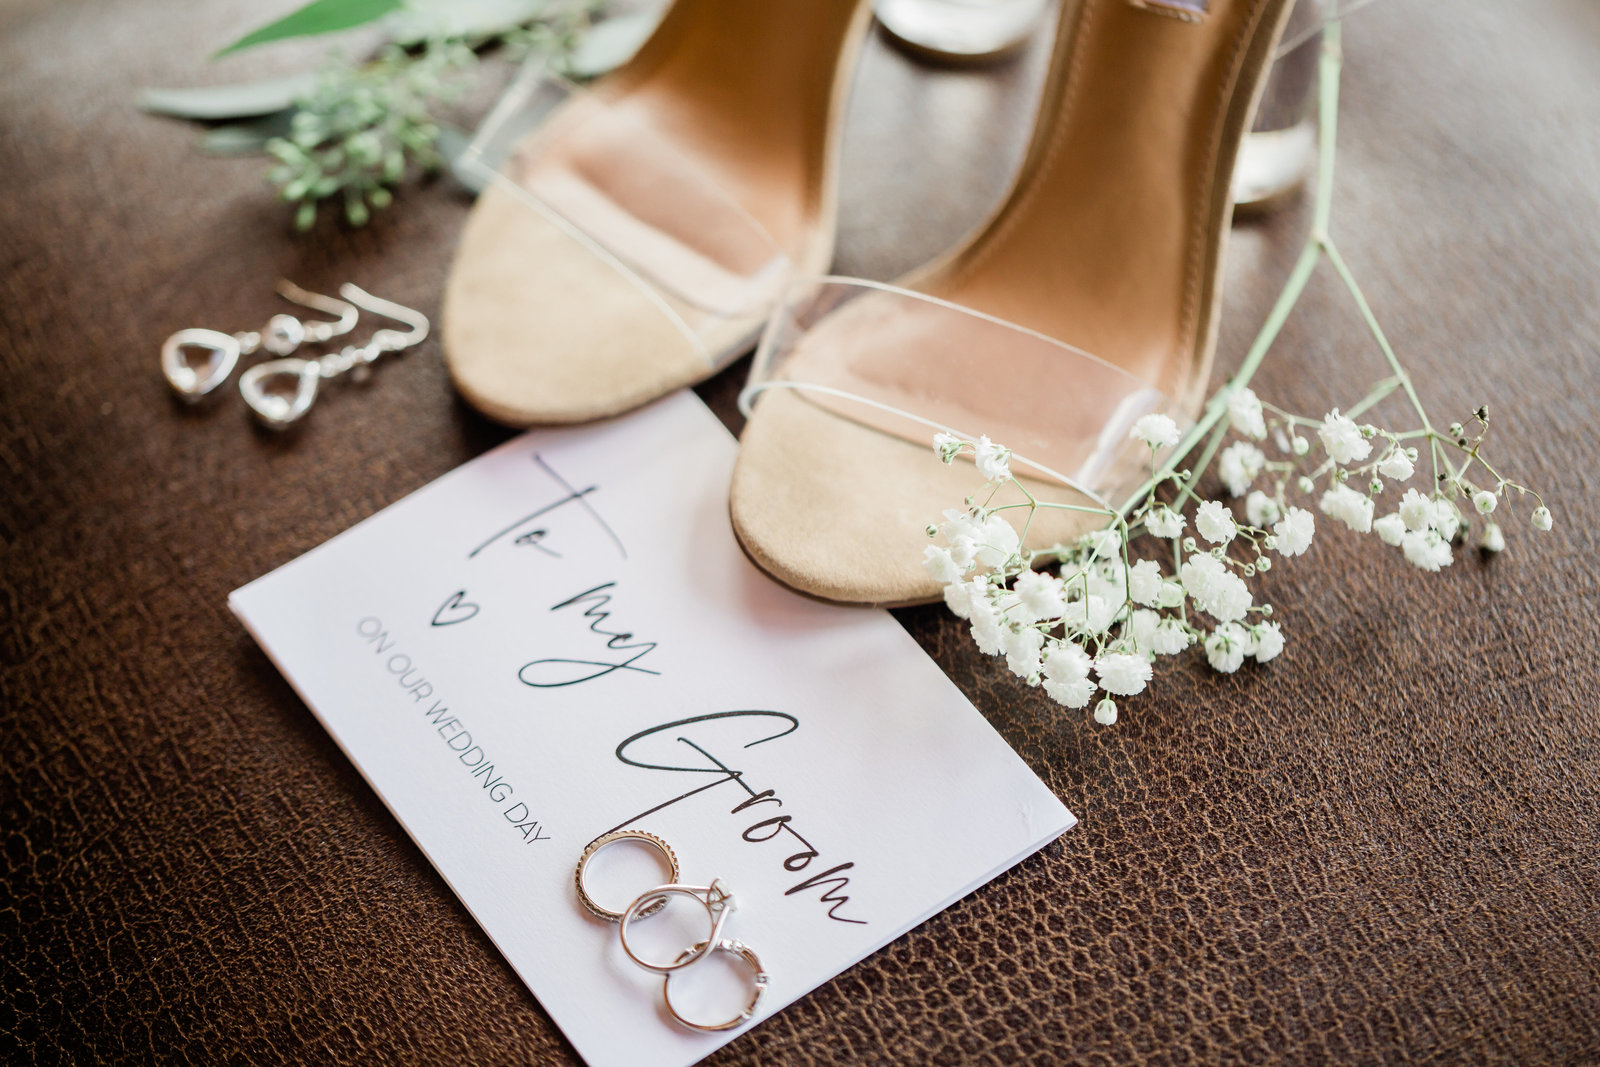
[612, 838]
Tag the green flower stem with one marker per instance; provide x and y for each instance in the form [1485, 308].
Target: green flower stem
[1218, 434]
[1378, 394]
[1218, 407]
[1289, 418]
[1318, 244]
[1039, 504]
[1371, 320]
[1328, 70]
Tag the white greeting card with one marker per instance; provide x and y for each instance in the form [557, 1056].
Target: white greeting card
[562, 638]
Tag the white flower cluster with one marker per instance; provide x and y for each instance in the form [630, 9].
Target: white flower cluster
[1097, 627]
[1423, 525]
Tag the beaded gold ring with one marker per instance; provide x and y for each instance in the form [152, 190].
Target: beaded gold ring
[598, 910]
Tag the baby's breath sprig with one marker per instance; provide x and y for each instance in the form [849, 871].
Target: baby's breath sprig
[1098, 625]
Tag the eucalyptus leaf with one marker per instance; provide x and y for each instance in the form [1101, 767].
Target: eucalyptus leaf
[214, 103]
[247, 138]
[317, 17]
[420, 20]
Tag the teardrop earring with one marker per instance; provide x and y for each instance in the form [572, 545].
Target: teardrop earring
[283, 334]
[281, 391]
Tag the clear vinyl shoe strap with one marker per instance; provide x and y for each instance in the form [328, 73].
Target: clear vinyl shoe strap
[747, 405]
[608, 178]
[908, 364]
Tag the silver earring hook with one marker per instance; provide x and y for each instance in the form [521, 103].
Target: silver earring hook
[282, 391]
[388, 340]
[320, 331]
[285, 333]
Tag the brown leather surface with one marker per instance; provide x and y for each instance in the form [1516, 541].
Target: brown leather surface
[1380, 848]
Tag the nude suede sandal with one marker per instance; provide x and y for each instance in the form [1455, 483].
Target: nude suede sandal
[634, 237]
[1088, 299]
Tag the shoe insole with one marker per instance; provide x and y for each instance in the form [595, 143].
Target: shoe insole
[680, 189]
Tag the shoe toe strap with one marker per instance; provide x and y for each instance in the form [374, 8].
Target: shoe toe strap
[911, 365]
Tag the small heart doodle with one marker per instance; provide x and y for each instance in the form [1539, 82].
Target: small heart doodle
[457, 607]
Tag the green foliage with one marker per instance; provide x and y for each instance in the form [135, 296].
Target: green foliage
[216, 103]
[317, 17]
[362, 129]
[557, 34]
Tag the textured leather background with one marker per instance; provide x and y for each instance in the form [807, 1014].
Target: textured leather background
[1382, 847]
